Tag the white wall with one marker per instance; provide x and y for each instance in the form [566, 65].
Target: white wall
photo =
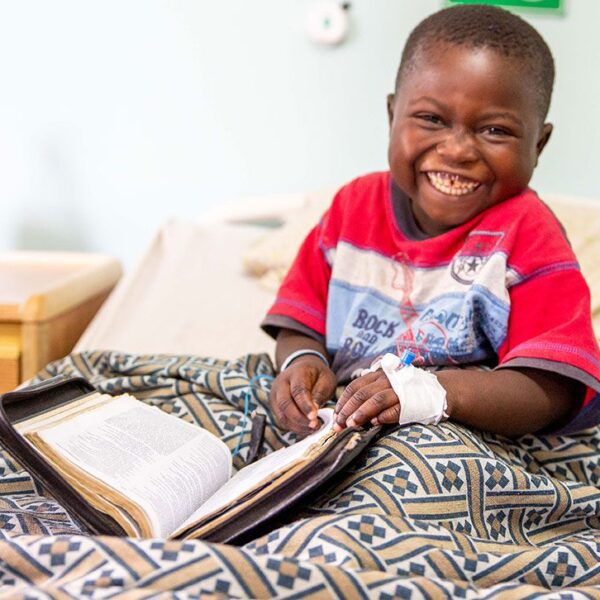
[117, 114]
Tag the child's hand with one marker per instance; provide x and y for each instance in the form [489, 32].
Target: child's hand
[299, 391]
[369, 398]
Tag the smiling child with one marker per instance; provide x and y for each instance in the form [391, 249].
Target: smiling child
[449, 254]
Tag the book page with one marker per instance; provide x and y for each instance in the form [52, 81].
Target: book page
[165, 465]
[264, 469]
[62, 412]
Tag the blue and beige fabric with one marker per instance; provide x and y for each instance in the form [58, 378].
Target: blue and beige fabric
[426, 512]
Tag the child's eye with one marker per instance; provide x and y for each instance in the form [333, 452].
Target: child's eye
[496, 131]
[430, 118]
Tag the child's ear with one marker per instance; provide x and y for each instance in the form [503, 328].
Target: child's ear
[390, 108]
[544, 137]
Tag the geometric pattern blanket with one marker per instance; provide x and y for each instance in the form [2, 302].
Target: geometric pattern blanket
[425, 512]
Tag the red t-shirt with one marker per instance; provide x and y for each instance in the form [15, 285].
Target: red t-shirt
[503, 289]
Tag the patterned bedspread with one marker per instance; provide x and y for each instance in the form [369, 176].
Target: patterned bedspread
[425, 512]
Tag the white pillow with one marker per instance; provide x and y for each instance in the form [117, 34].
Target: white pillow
[271, 256]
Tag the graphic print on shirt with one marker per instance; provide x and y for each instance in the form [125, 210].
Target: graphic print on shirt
[478, 247]
[425, 310]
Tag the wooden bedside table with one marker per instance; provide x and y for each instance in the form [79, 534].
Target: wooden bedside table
[46, 301]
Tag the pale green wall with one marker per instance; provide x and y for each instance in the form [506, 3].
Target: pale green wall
[117, 114]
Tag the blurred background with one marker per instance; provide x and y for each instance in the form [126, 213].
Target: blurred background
[117, 115]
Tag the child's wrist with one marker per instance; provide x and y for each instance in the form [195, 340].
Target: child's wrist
[303, 352]
[457, 393]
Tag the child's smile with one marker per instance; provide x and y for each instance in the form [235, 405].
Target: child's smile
[465, 134]
[451, 183]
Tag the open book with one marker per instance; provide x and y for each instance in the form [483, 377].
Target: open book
[122, 467]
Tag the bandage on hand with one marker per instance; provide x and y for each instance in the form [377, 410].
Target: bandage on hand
[422, 397]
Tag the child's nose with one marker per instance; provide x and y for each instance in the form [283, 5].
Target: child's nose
[457, 147]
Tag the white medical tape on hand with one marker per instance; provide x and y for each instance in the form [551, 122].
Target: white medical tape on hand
[422, 397]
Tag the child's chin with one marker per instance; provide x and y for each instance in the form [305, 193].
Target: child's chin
[439, 196]
[440, 219]
[455, 209]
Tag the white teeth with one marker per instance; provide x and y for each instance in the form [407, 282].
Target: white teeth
[451, 184]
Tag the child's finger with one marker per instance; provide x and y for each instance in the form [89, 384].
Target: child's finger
[353, 388]
[367, 403]
[360, 392]
[389, 416]
[287, 413]
[301, 387]
[380, 402]
[324, 388]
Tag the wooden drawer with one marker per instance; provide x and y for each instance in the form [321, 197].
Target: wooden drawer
[10, 356]
[47, 300]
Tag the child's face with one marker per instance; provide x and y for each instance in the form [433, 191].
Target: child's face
[465, 134]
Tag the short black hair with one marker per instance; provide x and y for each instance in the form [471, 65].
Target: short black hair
[489, 27]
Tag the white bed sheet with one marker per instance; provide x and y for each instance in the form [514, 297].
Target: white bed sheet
[188, 295]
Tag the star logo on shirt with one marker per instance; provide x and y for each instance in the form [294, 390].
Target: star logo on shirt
[472, 264]
[478, 247]
[465, 268]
